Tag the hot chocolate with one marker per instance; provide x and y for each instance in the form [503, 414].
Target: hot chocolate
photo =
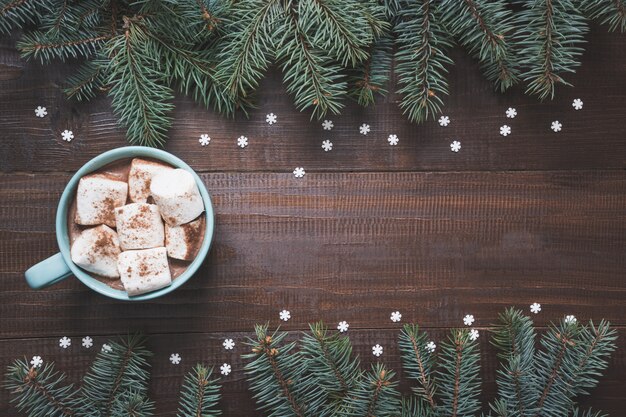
[117, 199]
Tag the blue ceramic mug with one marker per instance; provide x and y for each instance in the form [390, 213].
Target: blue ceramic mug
[60, 266]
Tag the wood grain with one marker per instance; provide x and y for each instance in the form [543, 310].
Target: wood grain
[434, 245]
[536, 216]
[590, 139]
[207, 348]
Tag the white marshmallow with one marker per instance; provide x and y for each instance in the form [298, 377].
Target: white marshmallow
[96, 250]
[182, 242]
[140, 177]
[144, 270]
[97, 197]
[139, 226]
[177, 195]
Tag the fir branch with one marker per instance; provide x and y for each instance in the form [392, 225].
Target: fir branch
[118, 379]
[550, 36]
[422, 45]
[275, 374]
[78, 44]
[140, 96]
[458, 376]
[247, 48]
[552, 364]
[376, 15]
[40, 392]
[595, 347]
[608, 12]
[131, 404]
[588, 413]
[87, 80]
[16, 13]
[514, 337]
[418, 362]
[328, 362]
[412, 406]
[338, 27]
[311, 76]
[375, 395]
[482, 26]
[371, 77]
[199, 394]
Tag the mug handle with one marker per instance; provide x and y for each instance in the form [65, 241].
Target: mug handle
[47, 272]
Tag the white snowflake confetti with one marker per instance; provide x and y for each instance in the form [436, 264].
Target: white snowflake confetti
[396, 316]
[569, 319]
[299, 172]
[285, 315]
[455, 146]
[505, 130]
[556, 126]
[343, 326]
[511, 113]
[41, 111]
[468, 320]
[67, 135]
[242, 141]
[175, 358]
[106, 348]
[431, 346]
[87, 342]
[225, 369]
[328, 124]
[444, 121]
[473, 334]
[271, 118]
[204, 139]
[228, 344]
[327, 145]
[535, 308]
[364, 129]
[65, 342]
[393, 140]
[36, 361]
[377, 350]
[577, 104]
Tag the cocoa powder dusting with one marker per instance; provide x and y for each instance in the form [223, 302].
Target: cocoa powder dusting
[119, 171]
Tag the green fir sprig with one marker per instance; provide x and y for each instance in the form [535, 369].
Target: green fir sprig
[422, 59]
[218, 51]
[200, 394]
[318, 375]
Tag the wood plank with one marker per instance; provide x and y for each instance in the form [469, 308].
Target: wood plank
[591, 138]
[350, 246]
[206, 348]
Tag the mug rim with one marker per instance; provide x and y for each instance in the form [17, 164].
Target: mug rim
[98, 162]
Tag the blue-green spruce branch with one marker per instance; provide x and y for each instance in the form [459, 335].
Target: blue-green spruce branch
[316, 374]
[142, 52]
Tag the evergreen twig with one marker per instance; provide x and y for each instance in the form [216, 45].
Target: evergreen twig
[458, 375]
[422, 59]
[550, 36]
[418, 362]
[608, 12]
[483, 26]
[40, 392]
[199, 395]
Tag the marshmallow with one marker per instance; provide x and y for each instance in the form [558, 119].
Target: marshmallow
[182, 242]
[96, 250]
[139, 226]
[177, 195]
[144, 270]
[140, 177]
[96, 199]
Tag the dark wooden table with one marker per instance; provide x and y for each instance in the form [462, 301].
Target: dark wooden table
[535, 216]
